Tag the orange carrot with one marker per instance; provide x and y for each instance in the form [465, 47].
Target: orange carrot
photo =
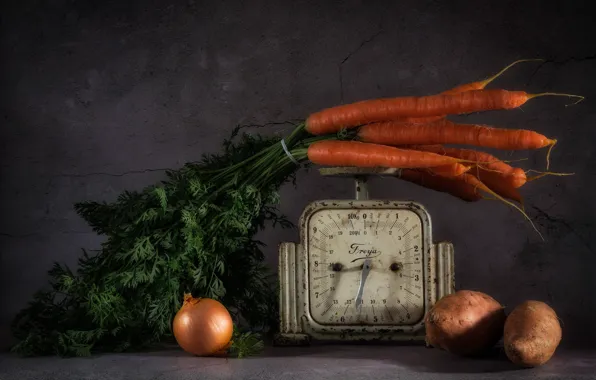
[516, 177]
[465, 186]
[477, 184]
[360, 154]
[479, 85]
[332, 120]
[449, 171]
[447, 132]
[495, 182]
[454, 186]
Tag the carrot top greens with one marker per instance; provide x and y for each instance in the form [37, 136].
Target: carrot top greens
[193, 232]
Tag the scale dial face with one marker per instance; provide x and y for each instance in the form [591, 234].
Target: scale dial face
[365, 266]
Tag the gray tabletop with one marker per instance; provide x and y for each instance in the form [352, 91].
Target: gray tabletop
[328, 362]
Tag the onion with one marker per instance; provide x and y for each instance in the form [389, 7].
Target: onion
[203, 326]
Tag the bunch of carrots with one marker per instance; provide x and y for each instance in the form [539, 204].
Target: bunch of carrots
[412, 133]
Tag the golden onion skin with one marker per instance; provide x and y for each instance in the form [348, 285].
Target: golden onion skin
[203, 326]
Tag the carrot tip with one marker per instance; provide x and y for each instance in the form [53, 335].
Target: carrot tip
[492, 78]
[544, 174]
[521, 210]
[547, 173]
[550, 148]
[580, 98]
[486, 197]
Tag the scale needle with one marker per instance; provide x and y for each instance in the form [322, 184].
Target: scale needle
[363, 276]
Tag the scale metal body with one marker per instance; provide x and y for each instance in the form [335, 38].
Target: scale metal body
[364, 270]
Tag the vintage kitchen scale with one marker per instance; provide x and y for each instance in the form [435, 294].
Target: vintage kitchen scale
[364, 270]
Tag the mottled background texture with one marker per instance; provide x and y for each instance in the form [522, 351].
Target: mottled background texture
[102, 96]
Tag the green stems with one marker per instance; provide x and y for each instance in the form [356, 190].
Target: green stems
[267, 166]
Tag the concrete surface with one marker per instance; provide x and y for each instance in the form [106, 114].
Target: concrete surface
[101, 96]
[337, 362]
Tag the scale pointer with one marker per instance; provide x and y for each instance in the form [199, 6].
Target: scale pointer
[364, 275]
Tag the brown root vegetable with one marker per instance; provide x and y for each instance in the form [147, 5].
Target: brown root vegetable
[532, 333]
[465, 323]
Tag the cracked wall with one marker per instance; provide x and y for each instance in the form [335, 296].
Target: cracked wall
[102, 97]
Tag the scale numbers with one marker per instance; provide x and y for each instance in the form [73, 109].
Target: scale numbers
[382, 249]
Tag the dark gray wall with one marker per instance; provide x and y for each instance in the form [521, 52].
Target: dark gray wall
[99, 97]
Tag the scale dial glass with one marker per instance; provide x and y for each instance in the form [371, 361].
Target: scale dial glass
[380, 248]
